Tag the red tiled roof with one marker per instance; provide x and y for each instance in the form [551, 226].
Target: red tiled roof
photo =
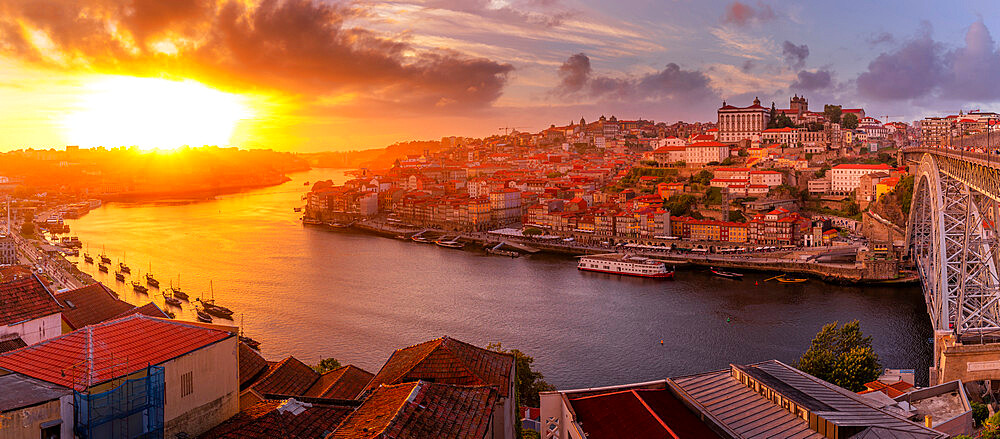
[90, 305]
[289, 377]
[421, 410]
[345, 382]
[85, 357]
[150, 309]
[449, 361]
[892, 390]
[707, 144]
[264, 420]
[251, 364]
[638, 413]
[14, 272]
[10, 343]
[862, 166]
[25, 299]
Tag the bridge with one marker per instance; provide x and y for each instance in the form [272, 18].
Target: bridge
[952, 240]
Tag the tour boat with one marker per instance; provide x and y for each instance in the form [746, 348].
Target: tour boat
[203, 317]
[139, 288]
[421, 239]
[102, 268]
[312, 222]
[450, 243]
[87, 258]
[627, 265]
[726, 274]
[124, 268]
[792, 280]
[119, 276]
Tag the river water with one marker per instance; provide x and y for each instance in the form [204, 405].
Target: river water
[315, 293]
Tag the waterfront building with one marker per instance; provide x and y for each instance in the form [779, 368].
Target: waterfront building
[741, 123]
[777, 227]
[845, 178]
[30, 312]
[177, 377]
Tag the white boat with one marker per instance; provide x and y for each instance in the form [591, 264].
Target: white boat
[616, 263]
[450, 243]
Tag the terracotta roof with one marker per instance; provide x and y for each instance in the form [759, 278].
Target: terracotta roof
[90, 305]
[449, 361]
[10, 343]
[150, 309]
[251, 364]
[345, 382]
[86, 356]
[893, 390]
[421, 410]
[25, 299]
[862, 166]
[289, 377]
[270, 419]
[644, 413]
[14, 272]
[707, 144]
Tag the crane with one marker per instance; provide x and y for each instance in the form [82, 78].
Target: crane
[507, 129]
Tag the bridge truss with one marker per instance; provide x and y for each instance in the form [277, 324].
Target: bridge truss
[953, 241]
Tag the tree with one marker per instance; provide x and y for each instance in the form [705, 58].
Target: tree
[532, 231]
[979, 413]
[704, 177]
[991, 428]
[737, 216]
[527, 382]
[849, 121]
[713, 196]
[850, 207]
[28, 228]
[326, 365]
[681, 204]
[832, 113]
[772, 117]
[783, 121]
[842, 356]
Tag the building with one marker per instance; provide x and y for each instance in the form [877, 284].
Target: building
[845, 178]
[700, 153]
[449, 361]
[778, 227]
[819, 185]
[505, 205]
[772, 399]
[867, 186]
[768, 178]
[29, 310]
[285, 418]
[96, 303]
[140, 375]
[936, 131]
[741, 123]
[8, 250]
[31, 408]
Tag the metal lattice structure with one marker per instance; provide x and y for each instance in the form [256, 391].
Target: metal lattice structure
[951, 239]
[133, 409]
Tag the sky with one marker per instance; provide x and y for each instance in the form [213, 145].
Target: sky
[315, 75]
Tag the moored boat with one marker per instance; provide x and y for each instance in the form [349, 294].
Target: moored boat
[119, 276]
[124, 268]
[726, 274]
[312, 222]
[449, 243]
[151, 281]
[105, 259]
[254, 344]
[176, 292]
[627, 265]
[102, 268]
[215, 310]
[138, 287]
[794, 280]
[171, 301]
[204, 317]
[88, 259]
[420, 239]
[502, 252]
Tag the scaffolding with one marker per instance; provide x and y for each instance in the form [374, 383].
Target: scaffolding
[133, 409]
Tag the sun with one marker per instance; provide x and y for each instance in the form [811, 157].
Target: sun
[154, 113]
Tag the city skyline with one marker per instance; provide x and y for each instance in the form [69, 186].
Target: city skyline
[308, 75]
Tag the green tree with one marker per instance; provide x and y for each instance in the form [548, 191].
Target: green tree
[842, 356]
[532, 231]
[772, 117]
[783, 121]
[849, 121]
[991, 427]
[850, 207]
[527, 382]
[326, 365]
[28, 228]
[832, 113]
[681, 204]
[737, 216]
[904, 194]
[554, 174]
[704, 177]
[979, 413]
[713, 196]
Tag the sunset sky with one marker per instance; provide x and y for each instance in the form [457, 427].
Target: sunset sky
[313, 75]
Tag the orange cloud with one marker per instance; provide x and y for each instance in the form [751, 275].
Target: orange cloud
[299, 47]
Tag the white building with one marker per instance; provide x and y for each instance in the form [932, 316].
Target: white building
[845, 178]
[739, 123]
[505, 205]
[768, 178]
[819, 185]
[706, 152]
[30, 311]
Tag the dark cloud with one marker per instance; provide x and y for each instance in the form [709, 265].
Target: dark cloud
[672, 83]
[881, 38]
[812, 81]
[794, 55]
[741, 14]
[295, 46]
[922, 67]
[912, 71]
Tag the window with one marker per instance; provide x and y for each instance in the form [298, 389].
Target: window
[187, 384]
[51, 429]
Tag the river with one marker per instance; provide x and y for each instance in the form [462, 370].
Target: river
[315, 293]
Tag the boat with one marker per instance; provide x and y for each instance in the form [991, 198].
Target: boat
[624, 264]
[312, 222]
[102, 268]
[420, 239]
[124, 268]
[105, 259]
[254, 344]
[138, 287]
[88, 259]
[170, 313]
[305, 183]
[216, 310]
[297, 209]
[176, 292]
[119, 276]
[171, 301]
[793, 280]
[502, 252]
[449, 243]
[72, 252]
[151, 281]
[204, 317]
[726, 274]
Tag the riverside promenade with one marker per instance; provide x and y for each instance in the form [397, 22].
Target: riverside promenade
[787, 261]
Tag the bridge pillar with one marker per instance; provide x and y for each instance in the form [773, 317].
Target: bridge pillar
[967, 362]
